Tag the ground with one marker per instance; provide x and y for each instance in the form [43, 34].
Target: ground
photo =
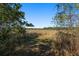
[44, 34]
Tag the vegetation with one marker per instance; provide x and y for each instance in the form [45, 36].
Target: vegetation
[15, 39]
[66, 17]
[12, 32]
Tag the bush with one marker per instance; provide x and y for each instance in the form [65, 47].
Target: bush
[66, 43]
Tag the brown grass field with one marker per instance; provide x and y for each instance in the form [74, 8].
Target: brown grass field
[44, 34]
[44, 42]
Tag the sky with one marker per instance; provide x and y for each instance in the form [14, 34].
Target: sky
[39, 14]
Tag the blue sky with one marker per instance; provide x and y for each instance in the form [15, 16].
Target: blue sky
[39, 14]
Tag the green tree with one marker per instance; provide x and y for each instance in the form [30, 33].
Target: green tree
[67, 14]
[12, 30]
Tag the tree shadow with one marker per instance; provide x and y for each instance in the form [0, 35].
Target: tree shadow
[17, 44]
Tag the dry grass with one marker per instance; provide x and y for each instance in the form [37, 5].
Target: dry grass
[40, 42]
[44, 34]
[65, 42]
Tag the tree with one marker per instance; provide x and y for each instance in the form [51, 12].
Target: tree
[12, 30]
[67, 15]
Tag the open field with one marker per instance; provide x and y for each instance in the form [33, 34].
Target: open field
[32, 31]
[44, 34]
[42, 42]
[61, 38]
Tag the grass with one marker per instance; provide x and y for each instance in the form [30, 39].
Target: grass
[62, 42]
[41, 42]
[44, 34]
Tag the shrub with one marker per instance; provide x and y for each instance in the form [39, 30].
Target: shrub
[66, 43]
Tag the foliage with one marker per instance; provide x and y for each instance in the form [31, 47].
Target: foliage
[12, 32]
[67, 14]
[16, 40]
[66, 44]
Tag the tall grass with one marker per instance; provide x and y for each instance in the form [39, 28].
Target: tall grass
[40, 43]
